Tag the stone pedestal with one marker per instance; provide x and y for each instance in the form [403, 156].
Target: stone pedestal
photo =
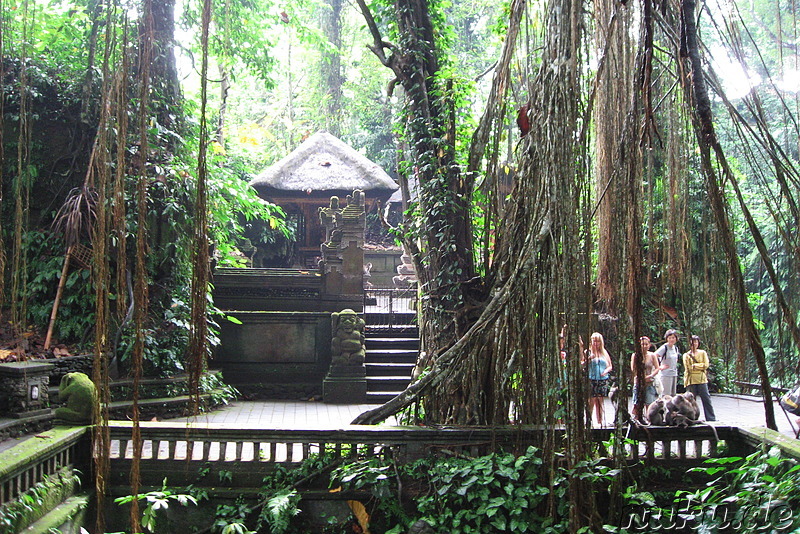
[24, 388]
[346, 381]
[345, 384]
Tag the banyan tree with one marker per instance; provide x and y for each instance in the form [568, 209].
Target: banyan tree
[618, 106]
[624, 199]
[617, 115]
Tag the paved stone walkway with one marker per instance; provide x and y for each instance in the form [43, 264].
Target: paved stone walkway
[283, 414]
[731, 410]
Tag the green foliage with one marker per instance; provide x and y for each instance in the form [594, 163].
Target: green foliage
[35, 502]
[495, 493]
[221, 393]
[156, 500]
[230, 518]
[278, 496]
[57, 33]
[755, 492]
[499, 492]
[164, 344]
[236, 528]
[240, 36]
[280, 510]
[75, 319]
[233, 207]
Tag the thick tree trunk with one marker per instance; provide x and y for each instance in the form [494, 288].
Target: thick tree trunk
[442, 248]
[164, 71]
[224, 87]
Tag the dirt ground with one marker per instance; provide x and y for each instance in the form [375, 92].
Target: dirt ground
[29, 345]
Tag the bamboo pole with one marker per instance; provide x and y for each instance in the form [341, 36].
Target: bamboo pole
[61, 283]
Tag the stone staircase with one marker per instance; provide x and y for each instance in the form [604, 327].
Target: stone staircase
[392, 347]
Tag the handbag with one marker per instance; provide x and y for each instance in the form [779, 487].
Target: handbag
[791, 400]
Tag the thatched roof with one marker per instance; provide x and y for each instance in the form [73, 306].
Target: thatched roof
[324, 163]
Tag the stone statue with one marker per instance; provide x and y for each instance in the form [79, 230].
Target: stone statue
[78, 392]
[330, 217]
[367, 275]
[347, 345]
[406, 273]
[344, 228]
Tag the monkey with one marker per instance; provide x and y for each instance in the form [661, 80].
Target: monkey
[686, 405]
[523, 120]
[674, 418]
[613, 396]
[657, 411]
[682, 411]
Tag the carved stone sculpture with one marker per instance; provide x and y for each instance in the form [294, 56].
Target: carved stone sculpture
[79, 393]
[330, 217]
[406, 273]
[347, 345]
[342, 254]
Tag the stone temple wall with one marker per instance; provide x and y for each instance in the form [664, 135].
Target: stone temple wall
[278, 344]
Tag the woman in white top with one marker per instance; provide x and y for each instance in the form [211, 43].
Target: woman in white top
[668, 355]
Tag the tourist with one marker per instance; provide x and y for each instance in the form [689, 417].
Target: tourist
[651, 371]
[599, 366]
[668, 354]
[695, 363]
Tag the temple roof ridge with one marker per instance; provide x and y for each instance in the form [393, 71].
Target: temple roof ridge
[324, 162]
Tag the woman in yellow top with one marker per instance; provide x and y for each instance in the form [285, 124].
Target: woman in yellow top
[695, 364]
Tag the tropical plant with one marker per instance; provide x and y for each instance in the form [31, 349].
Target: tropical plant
[156, 500]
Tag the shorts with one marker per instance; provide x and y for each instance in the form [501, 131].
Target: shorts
[599, 388]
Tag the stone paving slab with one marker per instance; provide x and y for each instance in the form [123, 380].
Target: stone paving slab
[731, 410]
[301, 415]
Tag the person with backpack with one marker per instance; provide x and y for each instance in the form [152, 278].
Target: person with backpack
[668, 355]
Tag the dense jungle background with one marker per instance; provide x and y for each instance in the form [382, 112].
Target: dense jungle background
[633, 161]
[82, 111]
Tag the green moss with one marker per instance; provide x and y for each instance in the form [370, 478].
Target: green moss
[38, 447]
[38, 501]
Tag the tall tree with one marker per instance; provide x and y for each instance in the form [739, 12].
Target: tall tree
[164, 72]
[332, 67]
[696, 89]
[442, 245]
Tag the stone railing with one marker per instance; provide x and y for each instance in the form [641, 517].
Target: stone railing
[671, 443]
[178, 451]
[28, 463]
[216, 442]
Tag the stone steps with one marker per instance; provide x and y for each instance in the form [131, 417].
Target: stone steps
[391, 353]
[163, 408]
[65, 518]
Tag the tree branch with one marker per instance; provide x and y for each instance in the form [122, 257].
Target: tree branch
[379, 44]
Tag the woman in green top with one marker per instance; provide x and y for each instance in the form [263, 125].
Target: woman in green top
[695, 364]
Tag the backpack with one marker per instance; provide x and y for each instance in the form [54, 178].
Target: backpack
[791, 401]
